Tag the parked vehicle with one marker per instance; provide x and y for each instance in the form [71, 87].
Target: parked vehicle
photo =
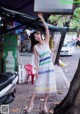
[8, 82]
[67, 49]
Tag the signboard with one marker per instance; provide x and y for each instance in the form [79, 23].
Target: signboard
[10, 52]
[54, 6]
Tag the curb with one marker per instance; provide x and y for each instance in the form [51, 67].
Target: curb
[64, 77]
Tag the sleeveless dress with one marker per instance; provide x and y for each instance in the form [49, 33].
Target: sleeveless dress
[45, 83]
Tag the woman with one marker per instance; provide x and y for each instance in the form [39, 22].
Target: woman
[45, 83]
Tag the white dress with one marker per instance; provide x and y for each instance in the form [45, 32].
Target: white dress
[45, 83]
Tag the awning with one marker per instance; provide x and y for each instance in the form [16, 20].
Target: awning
[23, 11]
[23, 6]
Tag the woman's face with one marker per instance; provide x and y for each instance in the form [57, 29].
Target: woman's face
[37, 36]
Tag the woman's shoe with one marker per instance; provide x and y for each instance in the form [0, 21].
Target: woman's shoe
[46, 109]
[25, 108]
[28, 108]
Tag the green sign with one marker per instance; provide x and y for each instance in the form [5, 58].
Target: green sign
[69, 2]
[10, 52]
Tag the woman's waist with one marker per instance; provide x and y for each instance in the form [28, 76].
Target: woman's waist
[45, 58]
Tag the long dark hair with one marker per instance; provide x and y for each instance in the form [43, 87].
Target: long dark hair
[33, 41]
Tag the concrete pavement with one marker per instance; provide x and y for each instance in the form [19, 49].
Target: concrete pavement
[24, 93]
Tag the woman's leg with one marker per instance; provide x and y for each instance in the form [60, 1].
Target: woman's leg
[32, 99]
[31, 105]
[45, 102]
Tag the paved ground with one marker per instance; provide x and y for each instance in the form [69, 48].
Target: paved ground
[72, 62]
[24, 92]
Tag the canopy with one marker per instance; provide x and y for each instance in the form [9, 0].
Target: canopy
[23, 12]
[23, 6]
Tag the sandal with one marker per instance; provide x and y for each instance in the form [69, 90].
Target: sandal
[28, 108]
[25, 108]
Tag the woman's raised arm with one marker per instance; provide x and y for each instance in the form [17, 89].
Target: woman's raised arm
[45, 26]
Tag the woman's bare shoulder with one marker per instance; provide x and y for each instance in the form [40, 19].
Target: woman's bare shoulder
[35, 46]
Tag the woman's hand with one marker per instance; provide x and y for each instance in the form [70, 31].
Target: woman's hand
[45, 26]
[40, 15]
